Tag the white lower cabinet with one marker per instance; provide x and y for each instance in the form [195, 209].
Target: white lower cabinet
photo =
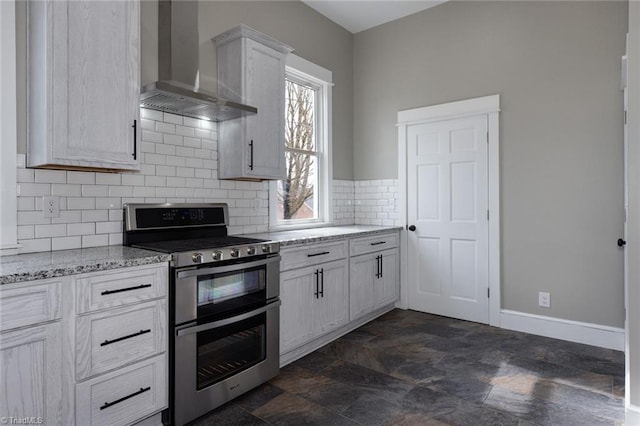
[314, 302]
[123, 396]
[120, 322]
[30, 371]
[373, 282]
[325, 293]
[86, 349]
[31, 352]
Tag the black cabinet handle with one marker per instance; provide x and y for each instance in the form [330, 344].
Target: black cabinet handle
[318, 254]
[378, 243]
[322, 282]
[411, 228]
[135, 139]
[129, 336]
[251, 155]
[124, 398]
[317, 292]
[377, 266]
[120, 290]
[380, 266]
[621, 242]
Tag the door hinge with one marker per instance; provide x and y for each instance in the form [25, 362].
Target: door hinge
[488, 292]
[487, 137]
[487, 214]
[625, 117]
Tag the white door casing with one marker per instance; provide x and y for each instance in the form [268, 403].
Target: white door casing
[448, 169]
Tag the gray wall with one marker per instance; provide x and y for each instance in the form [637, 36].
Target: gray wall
[557, 69]
[313, 37]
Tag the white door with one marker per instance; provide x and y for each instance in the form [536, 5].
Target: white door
[447, 202]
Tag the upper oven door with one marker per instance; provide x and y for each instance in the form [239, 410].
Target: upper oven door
[211, 291]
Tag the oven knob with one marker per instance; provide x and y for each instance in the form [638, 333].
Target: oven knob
[266, 248]
[216, 255]
[234, 252]
[251, 251]
[197, 258]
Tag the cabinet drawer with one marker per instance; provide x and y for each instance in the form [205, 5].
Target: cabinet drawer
[121, 287]
[297, 257]
[124, 396]
[110, 339]
[27, 304]
[374, 243]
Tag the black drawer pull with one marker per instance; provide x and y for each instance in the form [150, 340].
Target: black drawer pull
[318, 254]
[378, 243]
[120, 290]
[124, 398]
[119, 339]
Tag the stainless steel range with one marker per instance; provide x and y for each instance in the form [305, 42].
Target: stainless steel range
[224, 299]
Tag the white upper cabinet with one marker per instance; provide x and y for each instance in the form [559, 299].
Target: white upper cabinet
[83, 84]
[251, 70]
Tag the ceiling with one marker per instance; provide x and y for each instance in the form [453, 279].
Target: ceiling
[359, 15]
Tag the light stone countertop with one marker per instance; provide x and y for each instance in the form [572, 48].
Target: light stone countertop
[51, 264]
[316, 235]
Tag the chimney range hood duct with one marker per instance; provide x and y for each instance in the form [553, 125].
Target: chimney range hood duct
[178, 90]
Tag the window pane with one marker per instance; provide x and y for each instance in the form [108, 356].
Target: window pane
[299, 124]
[297, 194]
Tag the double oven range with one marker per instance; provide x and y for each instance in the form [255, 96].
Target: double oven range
[224, 303]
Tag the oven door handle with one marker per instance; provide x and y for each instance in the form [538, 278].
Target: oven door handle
[229, 268]
[227, 321]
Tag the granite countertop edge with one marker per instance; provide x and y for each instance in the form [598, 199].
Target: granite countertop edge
[316, 235]
[54, 264]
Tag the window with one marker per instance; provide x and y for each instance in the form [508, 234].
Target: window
[303, 198]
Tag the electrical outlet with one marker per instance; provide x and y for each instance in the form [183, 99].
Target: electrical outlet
[544, 299]
[51, 206]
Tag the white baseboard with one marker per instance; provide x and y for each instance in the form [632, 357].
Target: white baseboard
[573, 331]
[632, 415]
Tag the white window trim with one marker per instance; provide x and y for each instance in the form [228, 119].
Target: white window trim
[8, 132]
[298, 66]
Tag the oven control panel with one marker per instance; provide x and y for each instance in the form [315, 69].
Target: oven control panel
[227, 253]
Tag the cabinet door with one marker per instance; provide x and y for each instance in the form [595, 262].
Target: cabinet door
[103, 81]
[385, 288]
[297, 292]
[31, 371]
[332, 308]
[362, 274]
[84, 83]
[265, 87]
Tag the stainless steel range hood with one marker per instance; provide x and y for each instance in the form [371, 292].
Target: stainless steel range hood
[178, 90]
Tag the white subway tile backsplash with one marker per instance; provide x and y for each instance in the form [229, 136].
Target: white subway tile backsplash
[33, 189]
[66, 190]
[166, 128]
[95, 215]
[108, 227]
[66, 243]
[95, 240]
[76, 203]
[81, 228]
[185, 131]
[108, 179]
[172, 118]
[178, 159]
[151, 136]
[45, 231]
[83, 178]
[50, 176]
[151, 114]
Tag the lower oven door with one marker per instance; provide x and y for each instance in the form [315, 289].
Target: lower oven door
[217, 361]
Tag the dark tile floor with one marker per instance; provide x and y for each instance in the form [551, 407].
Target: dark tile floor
[411, 368]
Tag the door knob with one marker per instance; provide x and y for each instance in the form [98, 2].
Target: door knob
[621, 242]
[411, 228]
